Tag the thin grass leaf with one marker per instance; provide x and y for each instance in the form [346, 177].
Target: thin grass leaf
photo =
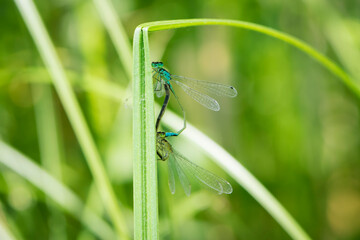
[117, 33]
[237, 171]
[224, 159]
[54, 189]
[338, 34]
[72, 109]
[245, 179]
[145, 168]
[48, 137]
[302, 46]
[5, 233]
[92, 202]
[89, 83]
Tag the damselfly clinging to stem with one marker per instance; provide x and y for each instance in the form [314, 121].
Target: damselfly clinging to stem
[184, 169]
[198, 90]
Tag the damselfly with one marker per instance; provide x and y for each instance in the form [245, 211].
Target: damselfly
[198, 90]
[185, 170]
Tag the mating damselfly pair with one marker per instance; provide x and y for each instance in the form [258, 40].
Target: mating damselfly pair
[201, 92]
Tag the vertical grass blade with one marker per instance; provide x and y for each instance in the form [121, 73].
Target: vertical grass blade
[224, 159]
[145, 167]
[72, 109]
[45, 118]
[116, 32]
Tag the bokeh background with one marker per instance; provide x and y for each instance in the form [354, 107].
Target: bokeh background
[293, 125]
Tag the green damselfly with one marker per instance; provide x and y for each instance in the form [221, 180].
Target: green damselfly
[185, 170]
[198, 90]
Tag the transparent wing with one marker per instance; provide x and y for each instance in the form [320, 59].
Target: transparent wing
[201, 98]
[160, 92]
[211, 88]
[171, 169]
[158, 85]
[182, 176]
[203, 176]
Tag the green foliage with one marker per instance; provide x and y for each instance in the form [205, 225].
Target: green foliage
[145, 177]
[244, 178]
[72, 108]
[289, 138]
[55, 190]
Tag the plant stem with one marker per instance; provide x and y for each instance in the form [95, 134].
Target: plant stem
[301, 45]
[116, 31]
[72, 109]
[145, 164]
[54, 189]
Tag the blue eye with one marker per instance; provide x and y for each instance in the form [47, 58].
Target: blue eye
[157, 64]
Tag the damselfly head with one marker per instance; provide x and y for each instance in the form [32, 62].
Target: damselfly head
[163, 147]
[157, 64]
[161, 135]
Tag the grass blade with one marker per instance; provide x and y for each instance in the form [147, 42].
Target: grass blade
[72, 108]
[224, 159]
[45, 118]
[54, 189]
[302, 46]
[5, 233]
[145, 167]
[234, 168]
[338, 34]
[117, 33]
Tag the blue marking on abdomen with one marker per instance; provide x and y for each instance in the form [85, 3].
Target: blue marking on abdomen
[170, 134]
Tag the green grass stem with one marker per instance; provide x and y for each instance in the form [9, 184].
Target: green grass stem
[73, 111]
[144, 128]
[241, 175]
[55, 190]
[117, 33]
[301, 45]
[49, 146]
[145, 167]
[5, 232]
[338, 34]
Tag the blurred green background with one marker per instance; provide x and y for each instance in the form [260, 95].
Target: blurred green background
[293, 125]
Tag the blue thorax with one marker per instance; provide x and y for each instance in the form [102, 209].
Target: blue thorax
[165, 74]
